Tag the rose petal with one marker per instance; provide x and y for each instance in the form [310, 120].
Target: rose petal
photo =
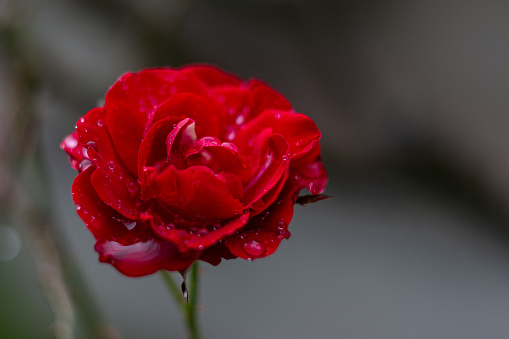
[297, 129]
[136, 96]
[126, 244]
[262, 98]
[264, 232]
[116, 186]
[213, 255]
[309, 170]
[78, 155]
[212, 76]
[211, 153]
[144, 257]
[153, 147]
[208, 117]
[272, 164]
[200, 239]
[100, 219]
[195, 193]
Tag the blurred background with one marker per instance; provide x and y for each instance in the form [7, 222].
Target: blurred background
[412, 101]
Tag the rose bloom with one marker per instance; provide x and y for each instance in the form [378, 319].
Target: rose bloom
[190, 164]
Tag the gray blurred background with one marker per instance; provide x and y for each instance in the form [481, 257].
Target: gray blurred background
[412, 100]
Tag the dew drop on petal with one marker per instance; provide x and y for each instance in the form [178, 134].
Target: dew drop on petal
[111, 165]
[129, 224]
[240, 119]
[254, 248]
[131, 187]
[84, 164]
[82, 120]
[203, 232]
[100, 123]
[69, 142]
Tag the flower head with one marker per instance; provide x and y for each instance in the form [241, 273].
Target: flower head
[190, 164]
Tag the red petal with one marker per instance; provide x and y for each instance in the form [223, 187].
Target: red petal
[309, 170]
[126, 244]
[262, 235]
[214, 254]
[131, 102]
[78, 155]
[244, 103]
[116, 186]
[262, 98]
[272, 164]
[195, 193]
[211, 76]
[144, 257]
[212, 153]
[209, 118]
[298, 130]
[153, 147]
[200, 239]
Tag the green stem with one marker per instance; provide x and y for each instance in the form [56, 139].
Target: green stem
[192, 324]
[188, 309]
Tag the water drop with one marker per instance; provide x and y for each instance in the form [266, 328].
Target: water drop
[100, 123]
[231, 135]
[203, 232]
[129, 224]
[84, 164]
[111, 165]
[216, 226]
[281, 225]
[78, 207]
[82, 120]
[69, 142]
[254, 248]
[240, 119]
[131, 187]
[277, 116]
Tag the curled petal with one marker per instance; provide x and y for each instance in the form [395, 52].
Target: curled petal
[264, 232]
[144, 257]
[136, 96]
[208, 117]
[114, 184]
[202, 238]
[272, 164]
[212, 153]
[309, 170]
[78, 154]
[297, 129]
[127, 244]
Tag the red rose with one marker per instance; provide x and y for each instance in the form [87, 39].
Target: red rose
[190, 163]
